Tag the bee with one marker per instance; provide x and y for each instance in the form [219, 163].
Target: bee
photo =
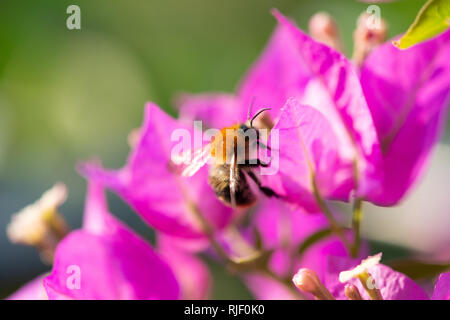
[231, 151]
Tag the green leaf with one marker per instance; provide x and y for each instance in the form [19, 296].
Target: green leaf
[432, 19]
[312, 239]
[390, 251]
[418, 269]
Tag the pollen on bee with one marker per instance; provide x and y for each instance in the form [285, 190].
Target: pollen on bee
[224, 144]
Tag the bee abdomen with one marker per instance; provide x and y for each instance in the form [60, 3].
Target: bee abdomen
[219, 179]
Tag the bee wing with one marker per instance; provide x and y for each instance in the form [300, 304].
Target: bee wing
[233, 180]
[193, 160]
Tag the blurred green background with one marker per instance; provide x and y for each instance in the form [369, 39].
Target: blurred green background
[68, 95]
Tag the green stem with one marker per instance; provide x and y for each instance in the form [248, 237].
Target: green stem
[373, 292]
[236, 264]
[335, 227]
[356, 223]
[357, 214]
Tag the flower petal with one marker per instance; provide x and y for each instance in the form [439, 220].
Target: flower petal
[326, 80]
[283, 229]
[33, 290]
[120, 266]
[442, 288]
[96, 218]
[407, 92]
[393, 285]
[280, 224]
[307, 146]
[163, 198]
[102, 263]
[265, 288]
[278, 74]
[216, 110]
[191, 272]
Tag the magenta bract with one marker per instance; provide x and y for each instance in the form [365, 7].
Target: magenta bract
[148, 183]
[106, 260]
[283, 229]
[407, 92]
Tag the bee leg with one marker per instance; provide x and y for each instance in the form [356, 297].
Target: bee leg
[267, 191]
[256, 163]
[263, 145]
[258, 143]
[233, 180]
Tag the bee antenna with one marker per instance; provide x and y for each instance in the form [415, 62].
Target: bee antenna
[250, 108]
[257, 114]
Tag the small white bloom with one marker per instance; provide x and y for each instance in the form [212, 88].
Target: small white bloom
[30, 225]
[366, 264]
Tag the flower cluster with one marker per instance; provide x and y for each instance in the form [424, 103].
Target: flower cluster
[344, 130]
[367, 280]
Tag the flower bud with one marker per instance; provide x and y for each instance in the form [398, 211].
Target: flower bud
[370, 32]
[323, 28]
[352, 292]
[133, 137]
[308, 281]
[39, 224]
[361, 272]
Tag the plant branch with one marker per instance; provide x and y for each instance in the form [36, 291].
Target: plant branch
[356, 224]
[335, 227]
[255, 263]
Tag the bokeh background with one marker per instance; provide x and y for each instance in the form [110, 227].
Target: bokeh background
[69, 95]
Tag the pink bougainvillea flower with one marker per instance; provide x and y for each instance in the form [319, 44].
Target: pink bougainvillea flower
[371, 280]
[106, 260]
[393, 285]
[373, 117]
[283, 229]
[407, 92]
[164, 199]
[191, 272]
[295, 66]
[216, 110]
[308, 148]
[330, 84]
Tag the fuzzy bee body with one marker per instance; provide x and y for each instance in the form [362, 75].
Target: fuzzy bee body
[219, 179]
[231, 150]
